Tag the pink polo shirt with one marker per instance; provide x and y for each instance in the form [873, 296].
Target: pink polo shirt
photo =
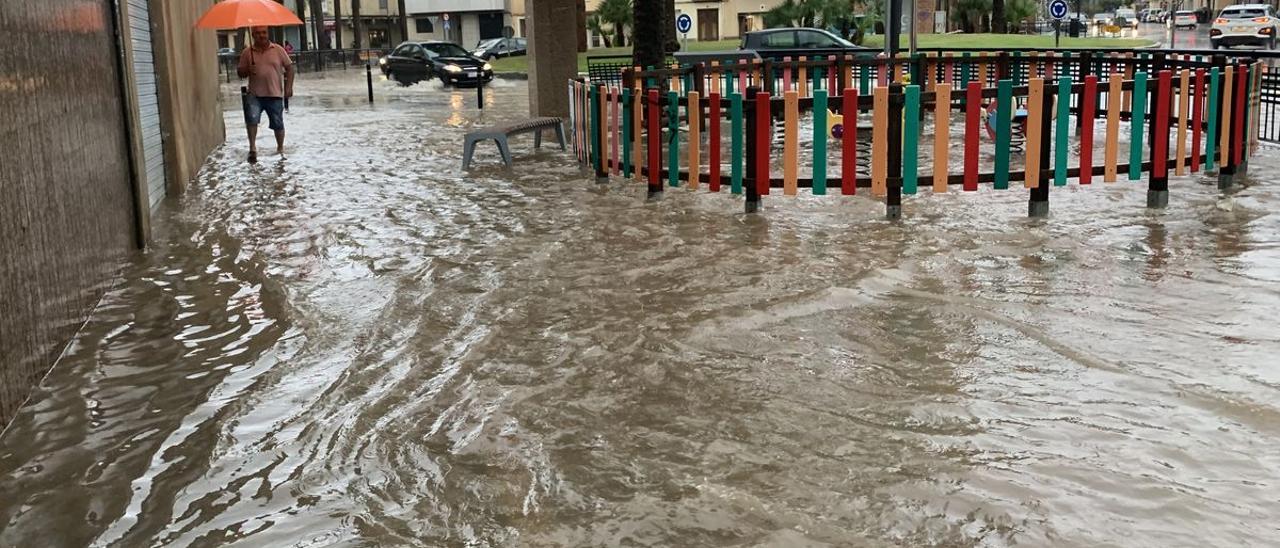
[266, 69]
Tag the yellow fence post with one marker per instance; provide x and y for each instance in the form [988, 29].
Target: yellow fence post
[1113, 126]
[1184, 112]
[880, 141]
[941, 134]
[694, 114]
[791, 145]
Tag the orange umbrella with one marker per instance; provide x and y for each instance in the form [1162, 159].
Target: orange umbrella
[234, 14]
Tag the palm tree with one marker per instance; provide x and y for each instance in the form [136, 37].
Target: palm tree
[997, 16]
[356, 24]
[596, 25]
[619, 14]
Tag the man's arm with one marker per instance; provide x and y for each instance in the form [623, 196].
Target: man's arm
[243, 69]
[288, 80]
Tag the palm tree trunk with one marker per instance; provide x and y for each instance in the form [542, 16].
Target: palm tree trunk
[337, 23]
[997, 17]
[647, 48]
[302, 14]
[317, 25]
[356, 24]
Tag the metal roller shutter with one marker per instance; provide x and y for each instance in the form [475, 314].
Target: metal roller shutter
[144, 78]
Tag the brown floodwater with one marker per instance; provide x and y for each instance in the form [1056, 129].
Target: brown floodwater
[360, 345]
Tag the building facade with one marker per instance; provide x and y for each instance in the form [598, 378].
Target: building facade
[463, 22]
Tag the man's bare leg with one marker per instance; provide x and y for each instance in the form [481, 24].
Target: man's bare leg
[253, 143]
[280, 142]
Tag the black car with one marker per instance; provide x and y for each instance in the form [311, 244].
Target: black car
[500, 47]
[413, 62]
[794, 42]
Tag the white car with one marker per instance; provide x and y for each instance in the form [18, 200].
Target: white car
[1245, 24]
[1130, 17]
[1184, 18]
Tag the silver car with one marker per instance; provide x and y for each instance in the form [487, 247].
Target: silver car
[1245, 24]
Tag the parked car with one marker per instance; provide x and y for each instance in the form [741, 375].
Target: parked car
[413, 62]
[1185, 18]
[1126, 17]
[1156, 16]
[1100, 19]
[1245, 24]
[225, 54]
[500, 47]
[794, 42]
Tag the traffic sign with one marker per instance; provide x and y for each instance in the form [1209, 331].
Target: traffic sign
[684, 23]
[1058, 9]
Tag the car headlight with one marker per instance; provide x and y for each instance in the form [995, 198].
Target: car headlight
[487, 67]
[453, 68]
[382, 61]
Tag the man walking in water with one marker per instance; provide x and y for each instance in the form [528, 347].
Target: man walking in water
[266, 65]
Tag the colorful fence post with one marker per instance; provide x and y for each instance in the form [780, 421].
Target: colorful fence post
[673, 138]
[1042, 115]
[1137, 119]
[752, 163]
[848, 142]
[1111, 149]
[972, 129]
[736, 127]
[941, 135]
[1224, 120]
[819, 142]
[1211, 106]
[693, 112]
[790, 142]
[627, 131]
[1184, 111]
[1035, 131]
[1088, 110]
[1004, 127]
[655, 145]
[1197, 116]
[1158, 181]
[880, 141]
[910, 138]
[764, 126]
[713, 139]
[1061, 130]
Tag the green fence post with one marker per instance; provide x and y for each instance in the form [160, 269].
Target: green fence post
[1136, 122]
[820, 142]
[1062, 129]
[910, 139]
[673, 140]
[736, 129]
[1004, 127]
[1211, 105]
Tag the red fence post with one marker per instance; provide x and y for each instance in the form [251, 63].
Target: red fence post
[655, 146]
[848, 142]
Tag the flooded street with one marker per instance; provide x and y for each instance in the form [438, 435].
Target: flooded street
[359, 345]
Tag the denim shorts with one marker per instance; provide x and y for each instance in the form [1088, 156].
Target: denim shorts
[273, 106]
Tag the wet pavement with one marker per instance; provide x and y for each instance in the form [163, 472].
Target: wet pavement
[360, 345]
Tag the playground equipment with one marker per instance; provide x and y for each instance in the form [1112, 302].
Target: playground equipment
[1181, 111]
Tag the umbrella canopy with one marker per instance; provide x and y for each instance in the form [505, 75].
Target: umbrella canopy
[234, 14]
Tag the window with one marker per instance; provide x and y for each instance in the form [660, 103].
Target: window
[382, 4]
[524, 28]
[780, 40]
[810, 39]
[403, 51]
[424, 25]
[1243, 13]
[446, 49]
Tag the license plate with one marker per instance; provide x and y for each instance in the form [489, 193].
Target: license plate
[1239, 29]
[471, 75]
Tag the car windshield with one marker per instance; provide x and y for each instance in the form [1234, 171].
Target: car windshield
[446, 50]
[1243, 13]
[1182, 13]
[489, 43]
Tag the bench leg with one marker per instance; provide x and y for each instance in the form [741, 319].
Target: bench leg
[467, 149]
[506, 152]
[537, 138]
[560, 135]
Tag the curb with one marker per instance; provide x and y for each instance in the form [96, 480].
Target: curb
[511, 75]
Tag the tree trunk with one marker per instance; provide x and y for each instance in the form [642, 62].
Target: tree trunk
[302, 35]
[581, 29]
[997, 17]
[317, 25]
[648, 36]
[619, 34]
[337, 23]
[671, 42]
[356, 24]
[404, 22]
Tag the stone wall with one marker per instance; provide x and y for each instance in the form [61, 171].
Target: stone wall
[187, 63]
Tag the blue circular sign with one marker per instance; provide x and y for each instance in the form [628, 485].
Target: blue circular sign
[684, 23]
[1058, 9]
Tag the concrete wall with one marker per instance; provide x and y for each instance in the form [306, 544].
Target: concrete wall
[72, 204]
[187, 63]
[66, 203]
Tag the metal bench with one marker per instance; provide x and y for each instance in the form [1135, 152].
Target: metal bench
[500, 134]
